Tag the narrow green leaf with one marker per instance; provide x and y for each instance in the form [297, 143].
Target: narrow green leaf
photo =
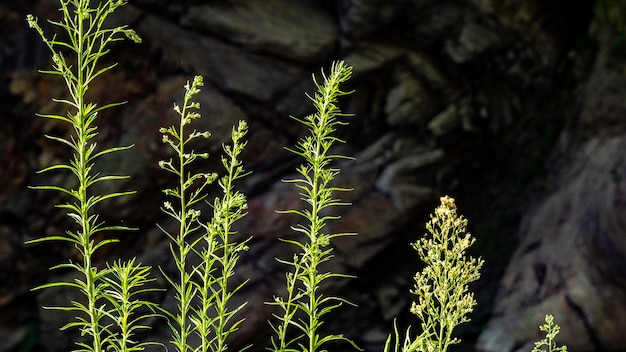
[57, 284]
[111, 150]
[53, 238]
[57, 189]
[55, 117]
[58, 167]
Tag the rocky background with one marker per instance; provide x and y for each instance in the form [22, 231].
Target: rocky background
[515, 108]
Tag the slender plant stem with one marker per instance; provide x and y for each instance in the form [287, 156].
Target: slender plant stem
[84, 167]
[86, 43]
[314, 179]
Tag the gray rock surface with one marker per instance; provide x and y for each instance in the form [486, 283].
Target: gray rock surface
[570, 260]
[279, 27]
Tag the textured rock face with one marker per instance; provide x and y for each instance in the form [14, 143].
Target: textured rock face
[452, 97]
[570, 261]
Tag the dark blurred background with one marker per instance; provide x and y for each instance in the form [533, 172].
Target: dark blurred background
[514, 108]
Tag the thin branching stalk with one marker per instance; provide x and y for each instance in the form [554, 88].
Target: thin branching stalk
[289, 307]
[551, 329]
[221, 253]
[202, 291]
[86, 44]
[314, 182]
[126, 285]
[188, 193]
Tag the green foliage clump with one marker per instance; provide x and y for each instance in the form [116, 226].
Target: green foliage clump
[613, 14]
[443, 297]
[551, 331]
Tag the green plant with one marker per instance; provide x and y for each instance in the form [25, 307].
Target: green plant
[187, 195]
[305, 306]
[210, 319]
[225, 252]
[443, 301]
[611, 13]
[76, 61]
[551, 331]
[125, 287]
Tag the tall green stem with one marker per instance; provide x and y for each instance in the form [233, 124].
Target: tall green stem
[83, 136]
[199, 299]
[226, 211]
[186, 194]
[314, 179]
[86, 43]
